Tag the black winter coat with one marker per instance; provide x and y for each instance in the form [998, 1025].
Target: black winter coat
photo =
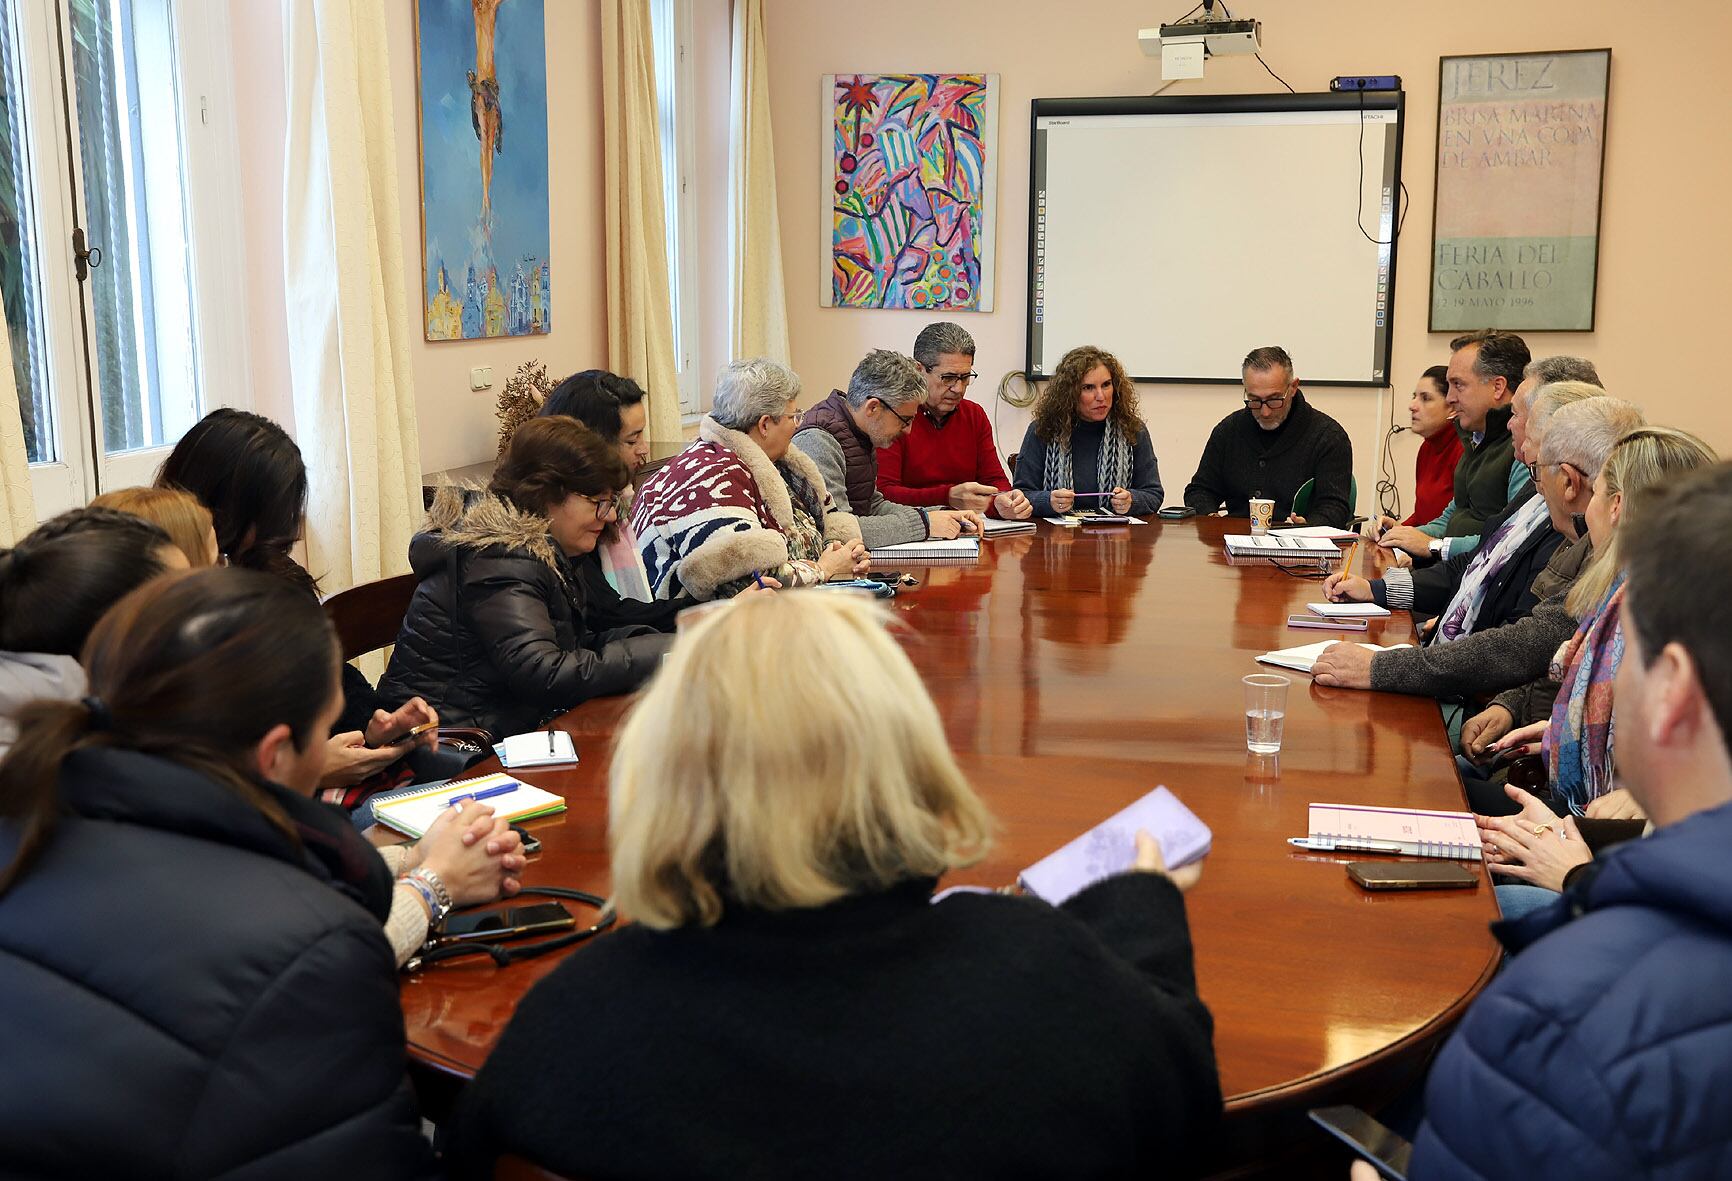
[880, 1036]
[496, 635]
[187, 994]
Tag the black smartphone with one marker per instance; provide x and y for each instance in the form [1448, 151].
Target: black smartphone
[514, 922]
[531, 842]
[1411, 875]
[1176, 512]
[1388, 1153]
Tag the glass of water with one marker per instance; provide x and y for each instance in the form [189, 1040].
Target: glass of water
[1265, 712]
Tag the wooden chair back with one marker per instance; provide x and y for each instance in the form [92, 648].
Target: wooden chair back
[368, 617]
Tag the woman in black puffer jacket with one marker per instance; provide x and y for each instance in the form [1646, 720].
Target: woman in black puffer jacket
[195, 977]
[496, 635]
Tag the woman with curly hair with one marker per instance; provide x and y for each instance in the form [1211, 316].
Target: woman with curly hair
[1087, 441]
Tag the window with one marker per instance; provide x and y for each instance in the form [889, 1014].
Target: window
[672, 24]
[117, 311]
[20, 251]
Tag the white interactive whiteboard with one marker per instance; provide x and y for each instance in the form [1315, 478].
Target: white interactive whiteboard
[1181, 233]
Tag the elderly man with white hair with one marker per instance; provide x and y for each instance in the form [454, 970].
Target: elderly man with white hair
[739, 506]
[1463, 661]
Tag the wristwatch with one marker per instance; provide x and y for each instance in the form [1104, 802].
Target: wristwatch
[1439, 547]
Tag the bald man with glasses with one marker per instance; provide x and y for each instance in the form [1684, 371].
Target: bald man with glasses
[1272, 447]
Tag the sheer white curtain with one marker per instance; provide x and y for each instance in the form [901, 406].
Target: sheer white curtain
[17, 502]
[757, 304]
[640, 330]
[346, 277]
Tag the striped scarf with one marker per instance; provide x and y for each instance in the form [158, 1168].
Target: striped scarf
[1488, 562]
[1578, 744]
[1112, 466]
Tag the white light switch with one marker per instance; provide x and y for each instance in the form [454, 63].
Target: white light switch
[481, 378]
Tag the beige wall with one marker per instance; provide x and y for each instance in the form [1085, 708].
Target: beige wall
[457, 426]
[1666, 233]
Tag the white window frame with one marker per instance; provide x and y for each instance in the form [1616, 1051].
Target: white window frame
[685, 309]
[211, 169]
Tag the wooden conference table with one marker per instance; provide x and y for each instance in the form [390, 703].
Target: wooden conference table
[1076, 670]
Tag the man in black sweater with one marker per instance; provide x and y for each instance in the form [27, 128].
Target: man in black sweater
[1272, 446]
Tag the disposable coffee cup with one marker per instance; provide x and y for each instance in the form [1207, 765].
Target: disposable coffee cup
[1262, 512]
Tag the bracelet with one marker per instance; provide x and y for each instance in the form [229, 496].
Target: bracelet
[434, 891]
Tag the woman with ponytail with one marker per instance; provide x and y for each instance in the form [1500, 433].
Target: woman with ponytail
[195, 968]
[54, 587]
[249, 473]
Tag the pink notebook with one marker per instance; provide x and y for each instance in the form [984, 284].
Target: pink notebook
[1111, 846]
[1412, 832]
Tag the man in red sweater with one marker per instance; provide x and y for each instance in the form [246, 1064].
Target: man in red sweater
[948, 458]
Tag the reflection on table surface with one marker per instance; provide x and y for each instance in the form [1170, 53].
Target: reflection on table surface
[1076, 670]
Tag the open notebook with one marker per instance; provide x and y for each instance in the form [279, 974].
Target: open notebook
[413, 810]
[1301, 659]
[1413, 832]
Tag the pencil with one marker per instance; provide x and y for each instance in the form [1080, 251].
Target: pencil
[1347, 561]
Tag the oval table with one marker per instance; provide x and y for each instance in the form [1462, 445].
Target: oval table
[1075, 670]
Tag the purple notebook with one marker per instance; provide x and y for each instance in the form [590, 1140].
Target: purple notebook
[1110, 847]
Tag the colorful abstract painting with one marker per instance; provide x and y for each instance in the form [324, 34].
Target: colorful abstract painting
[911, 191]
[482, 84]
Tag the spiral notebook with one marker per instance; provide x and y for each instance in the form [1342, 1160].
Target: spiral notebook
[1278, 547]
[956, 551]
[1412, 832]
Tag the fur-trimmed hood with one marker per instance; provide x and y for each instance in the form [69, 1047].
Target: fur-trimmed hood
[837, 526]
[467, 518]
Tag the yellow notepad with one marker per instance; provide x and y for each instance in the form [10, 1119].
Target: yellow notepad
[413, 812]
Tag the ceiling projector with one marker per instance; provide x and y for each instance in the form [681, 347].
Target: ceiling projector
[1183, 47]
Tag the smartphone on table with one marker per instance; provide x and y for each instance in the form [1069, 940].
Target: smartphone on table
[512, 922]
[1411, 875]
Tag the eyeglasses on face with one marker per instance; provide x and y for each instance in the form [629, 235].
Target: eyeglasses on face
[605, 506]
[905, 421]
[952, 379]
[1275, 403]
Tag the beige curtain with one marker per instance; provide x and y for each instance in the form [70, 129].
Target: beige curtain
[757, 304]
[348, 310]
[17, 501]
[640, 333]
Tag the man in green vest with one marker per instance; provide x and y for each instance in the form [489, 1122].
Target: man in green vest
[1485, 368]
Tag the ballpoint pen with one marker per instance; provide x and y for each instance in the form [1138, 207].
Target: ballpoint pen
[486, 794]
[1331, 845]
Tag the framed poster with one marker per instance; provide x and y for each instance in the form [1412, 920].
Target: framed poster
[481, 88]
[910, 191]
[1521, 141]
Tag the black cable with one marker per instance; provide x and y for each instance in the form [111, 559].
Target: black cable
[1323, 571]
[1276, 76]
[503, 955]
[1387, 491]
[1402, 201]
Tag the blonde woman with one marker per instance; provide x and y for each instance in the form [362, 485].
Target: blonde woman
[178, 514]
[789, 1000]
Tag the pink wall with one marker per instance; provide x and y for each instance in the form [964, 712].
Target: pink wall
[1660, 302]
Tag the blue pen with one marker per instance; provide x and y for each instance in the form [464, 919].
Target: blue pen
[759, 579]
[502, 789]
